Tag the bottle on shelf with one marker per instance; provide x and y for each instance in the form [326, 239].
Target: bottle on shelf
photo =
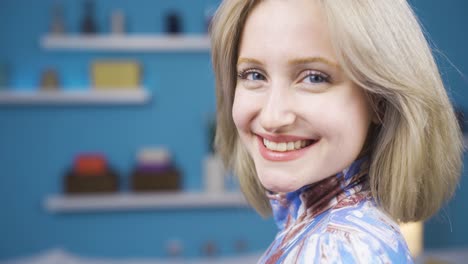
[57, 26]
[88, 23]
[173, 23]
[214, 172]
[118, 22]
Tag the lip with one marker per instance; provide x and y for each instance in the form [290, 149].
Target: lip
[283, 138]
[282, 156]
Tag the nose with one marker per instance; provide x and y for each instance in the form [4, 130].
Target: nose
[277, 113]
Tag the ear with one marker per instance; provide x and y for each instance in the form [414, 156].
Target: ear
[378, 112]
[376, 118]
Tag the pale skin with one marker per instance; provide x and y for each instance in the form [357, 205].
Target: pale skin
[292, 92]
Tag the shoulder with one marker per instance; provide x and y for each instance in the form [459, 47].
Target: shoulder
[357, 234]
[365, 234]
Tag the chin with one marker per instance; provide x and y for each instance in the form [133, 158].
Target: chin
[278, 183]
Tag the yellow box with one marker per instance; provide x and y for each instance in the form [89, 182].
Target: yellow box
[115, 75]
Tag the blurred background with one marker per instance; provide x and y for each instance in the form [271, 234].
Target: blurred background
[100, 166]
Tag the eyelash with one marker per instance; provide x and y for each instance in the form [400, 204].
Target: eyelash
[244, 73]
[326, 78]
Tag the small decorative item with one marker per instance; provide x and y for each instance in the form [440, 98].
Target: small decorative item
[173, 23]
[174, 248]
[118, 22]
[3, 76]
[115, 75]
[88, 24]
[214, 172]
[57, 26]
[50, 80]
[240, 246]
[155, 171]
[91, 174]
[209, 249]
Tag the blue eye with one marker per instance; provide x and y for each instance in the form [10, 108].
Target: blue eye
[315, 78]
[255, 76]
[251, 75]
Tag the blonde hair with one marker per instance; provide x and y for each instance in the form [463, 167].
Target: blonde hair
[416, 150]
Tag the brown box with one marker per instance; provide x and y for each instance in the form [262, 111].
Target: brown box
[91, 184]
[143, 181]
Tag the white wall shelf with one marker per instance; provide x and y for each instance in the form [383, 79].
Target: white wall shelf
[131, 43]
[78, 96]
[142, 201]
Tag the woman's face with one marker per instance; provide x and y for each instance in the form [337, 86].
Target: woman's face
[298, 115]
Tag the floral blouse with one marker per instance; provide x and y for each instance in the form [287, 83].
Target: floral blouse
[335, 220]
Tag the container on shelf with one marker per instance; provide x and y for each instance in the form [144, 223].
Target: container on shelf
[90, 173]
[50, 80]
[115, 74]
[214, 174]
[155, 171]
[118, 22]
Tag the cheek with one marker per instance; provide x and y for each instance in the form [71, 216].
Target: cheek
[352, 119]
[237, 112]
[243, 111]
[343, 116]
[358, 117]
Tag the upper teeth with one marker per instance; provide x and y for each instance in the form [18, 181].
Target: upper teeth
[284, 146]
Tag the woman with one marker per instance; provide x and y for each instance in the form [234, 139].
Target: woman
[334, 116]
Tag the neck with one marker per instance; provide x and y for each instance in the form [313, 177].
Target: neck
[312, 200]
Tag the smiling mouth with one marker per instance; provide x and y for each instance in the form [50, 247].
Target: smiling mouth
[287, 146]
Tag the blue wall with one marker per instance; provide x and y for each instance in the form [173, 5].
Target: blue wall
[446, 23]
[38, 143]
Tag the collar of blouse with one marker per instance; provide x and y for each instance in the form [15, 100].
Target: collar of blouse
[306, 203]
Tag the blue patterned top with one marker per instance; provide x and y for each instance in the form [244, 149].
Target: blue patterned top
[335, 220]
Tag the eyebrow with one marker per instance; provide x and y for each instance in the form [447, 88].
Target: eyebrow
[294, 61]
[248, 60]
[312, 60]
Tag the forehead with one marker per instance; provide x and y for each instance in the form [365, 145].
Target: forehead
[294, 28]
